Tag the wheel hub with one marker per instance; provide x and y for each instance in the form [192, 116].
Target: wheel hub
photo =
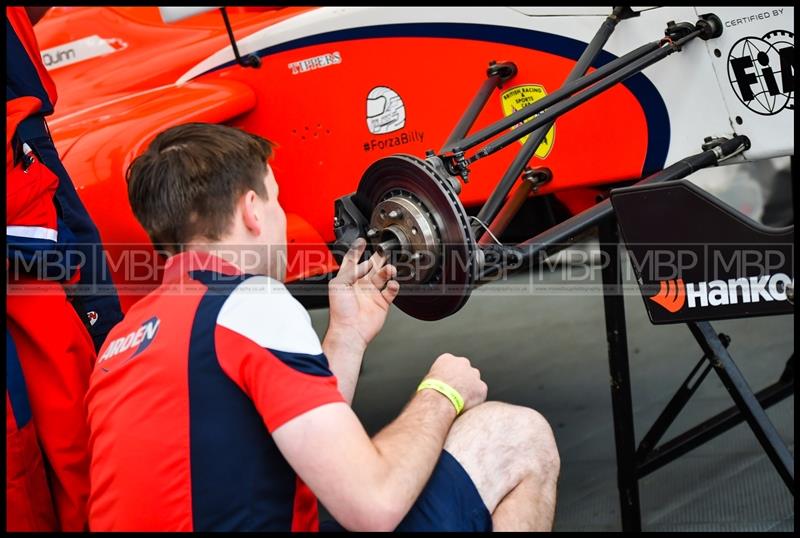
[403, 229]
[417, 220]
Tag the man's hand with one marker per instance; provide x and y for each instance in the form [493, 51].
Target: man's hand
[459, 374]
[360, 296]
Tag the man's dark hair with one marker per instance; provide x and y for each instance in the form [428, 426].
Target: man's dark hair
[187, 182]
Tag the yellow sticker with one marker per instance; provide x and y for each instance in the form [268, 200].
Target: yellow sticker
[519, 97]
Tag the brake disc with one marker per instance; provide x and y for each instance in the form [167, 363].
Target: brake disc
[417, 220]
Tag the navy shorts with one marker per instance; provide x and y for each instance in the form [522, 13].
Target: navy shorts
[450, 502]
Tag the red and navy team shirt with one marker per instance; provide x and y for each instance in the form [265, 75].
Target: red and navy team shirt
[26, 74]
[183, 399]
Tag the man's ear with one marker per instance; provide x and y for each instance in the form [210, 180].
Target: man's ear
[250, 212]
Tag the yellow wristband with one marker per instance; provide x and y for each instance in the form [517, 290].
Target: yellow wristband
[449, 392]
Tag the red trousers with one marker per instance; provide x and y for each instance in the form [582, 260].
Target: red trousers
[56, 355]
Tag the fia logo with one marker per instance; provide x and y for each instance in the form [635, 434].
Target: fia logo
[761, 72]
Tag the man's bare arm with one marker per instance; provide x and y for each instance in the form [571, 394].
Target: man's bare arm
[360, 296]
[344, 357]
[370, 484]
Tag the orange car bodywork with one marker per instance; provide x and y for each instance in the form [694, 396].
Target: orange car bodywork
[110, 108]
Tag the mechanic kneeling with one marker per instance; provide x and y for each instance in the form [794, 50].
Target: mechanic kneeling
[213, 405]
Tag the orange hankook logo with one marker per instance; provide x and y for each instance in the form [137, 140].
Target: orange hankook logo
[671, 295]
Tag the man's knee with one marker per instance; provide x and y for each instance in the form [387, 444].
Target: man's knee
[523, 430]
[500, 445]
[540, 442]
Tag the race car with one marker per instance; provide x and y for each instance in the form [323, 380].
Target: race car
[341, 89]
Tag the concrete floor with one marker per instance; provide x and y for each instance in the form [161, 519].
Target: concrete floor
[547, 350]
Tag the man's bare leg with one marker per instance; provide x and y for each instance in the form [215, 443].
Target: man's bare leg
[531, 506]
[510, 454]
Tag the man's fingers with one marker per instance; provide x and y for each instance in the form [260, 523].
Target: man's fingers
[380, 277]
[362, 269]
[349, 269]
[372, 278]
[377, 262]
[391, 290]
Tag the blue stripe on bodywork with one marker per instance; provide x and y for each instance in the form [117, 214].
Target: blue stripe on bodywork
[240, 480]
[658, 127]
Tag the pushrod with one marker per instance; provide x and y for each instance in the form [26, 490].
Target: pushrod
[489, 210]
[479, 101]
[568, 104]
[555, 97]
[565, 233]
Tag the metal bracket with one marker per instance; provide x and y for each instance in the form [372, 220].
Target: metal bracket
[676, 31]
[620, 13]
[251, 60]
[459, 166]
[504, 70]
[349, 223]
[715, 144]
[711, 26]
[537, 176]
[438, 165]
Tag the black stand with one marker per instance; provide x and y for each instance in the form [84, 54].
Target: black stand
[632, 463]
